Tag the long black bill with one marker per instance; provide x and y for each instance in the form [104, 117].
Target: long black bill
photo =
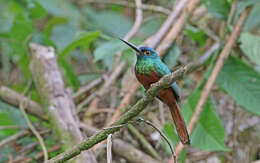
[132, 46]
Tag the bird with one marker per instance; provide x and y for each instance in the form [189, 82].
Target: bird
[149, 68]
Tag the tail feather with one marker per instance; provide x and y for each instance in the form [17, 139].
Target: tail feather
[179, 123]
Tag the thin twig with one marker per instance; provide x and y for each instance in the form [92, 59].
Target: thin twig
[13, 138]
[86, 102]
[38, 155]
[11, 127]
[109, 148]
[232, 12]
[144, 142]
[129, 4]
[32, 128]
[161, 111]
[102, 110]
[35, 132]
[88, 87]
[162, 135]
[211, 80]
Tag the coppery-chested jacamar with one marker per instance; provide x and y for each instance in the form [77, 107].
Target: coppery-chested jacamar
[149, 69]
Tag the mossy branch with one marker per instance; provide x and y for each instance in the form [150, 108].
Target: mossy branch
[164, 82]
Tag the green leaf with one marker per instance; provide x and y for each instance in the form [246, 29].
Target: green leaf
[196, 34]
[52, 23]
[63, 34]
[70, 77]
[209, 133]
[17, 54]
[150, 27]
[250, 45]
[170, 59]
[6, 17]
[21, 29]
[169, 131]
[36, 11]
[4, 120]
[253, 20]
[5, 60]
[16, 8]
[109, 22]
[242, 83]
[10, 116]
[129, 56]
[218, 8]
[107, 49]
[83, 40]
[242, 5]
[64, 9]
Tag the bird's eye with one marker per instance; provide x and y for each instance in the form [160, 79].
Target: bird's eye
[146, 52]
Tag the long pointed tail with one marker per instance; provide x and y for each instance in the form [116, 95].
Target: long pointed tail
[179, 123]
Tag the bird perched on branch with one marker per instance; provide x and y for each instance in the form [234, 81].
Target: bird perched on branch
[149, 69]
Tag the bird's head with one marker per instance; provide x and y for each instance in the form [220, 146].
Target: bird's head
[143, 51]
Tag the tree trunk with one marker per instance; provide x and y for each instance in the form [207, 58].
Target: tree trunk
[55, 100]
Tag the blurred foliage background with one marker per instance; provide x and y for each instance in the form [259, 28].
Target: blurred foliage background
[84, 34]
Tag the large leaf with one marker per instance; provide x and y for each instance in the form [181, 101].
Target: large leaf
[19, 34]
[107, 49]
[196, 34]
[52, 23]
[10, 116]
[242, 5]
[62, 35]
[170, 59]
[218, 8]
[129, 55]
[21, 29]
[242, 83]
[253, 19]
[150, 27]
[108, 22]
[83, 40]
[36, 11]
[56, 8]
[6, 17]
[209, 133]
[250, 45]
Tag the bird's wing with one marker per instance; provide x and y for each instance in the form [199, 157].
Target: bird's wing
[162, 70]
